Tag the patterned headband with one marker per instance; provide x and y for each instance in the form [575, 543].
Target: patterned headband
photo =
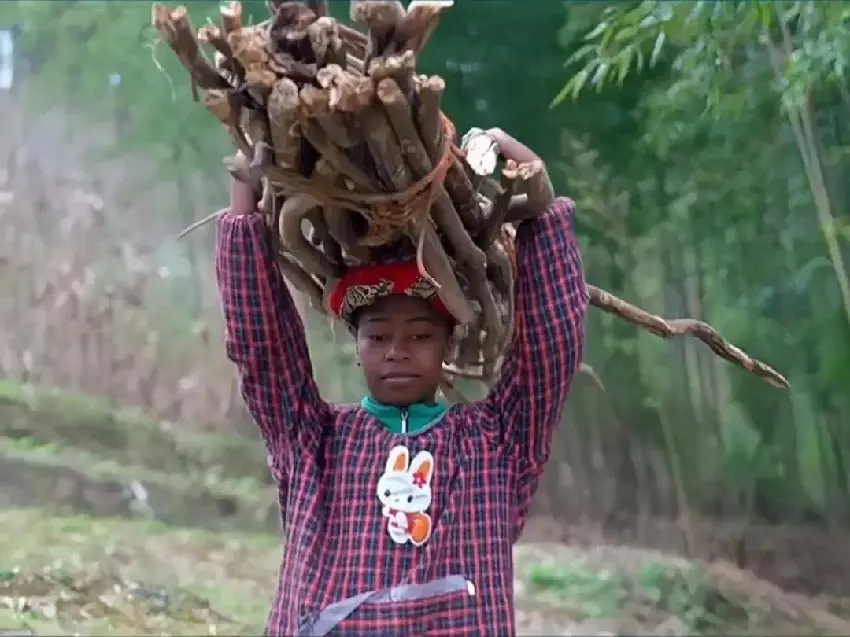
[363, 286]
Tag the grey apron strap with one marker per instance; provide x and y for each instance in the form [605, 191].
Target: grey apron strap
[413, 592]
[330, 617]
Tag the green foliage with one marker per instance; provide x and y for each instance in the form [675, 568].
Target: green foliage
[742, 155]
[77, 50]
[713, 44]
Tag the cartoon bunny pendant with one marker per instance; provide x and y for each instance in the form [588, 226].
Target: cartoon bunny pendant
[405, 493]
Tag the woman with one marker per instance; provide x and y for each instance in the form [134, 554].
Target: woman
[399, 514]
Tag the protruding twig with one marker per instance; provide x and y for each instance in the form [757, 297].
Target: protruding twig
[685, 327]
[201, 222]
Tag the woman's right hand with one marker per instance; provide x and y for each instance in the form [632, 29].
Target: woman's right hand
[243, 199]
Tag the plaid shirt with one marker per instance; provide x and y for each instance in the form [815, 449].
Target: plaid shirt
[342, 572]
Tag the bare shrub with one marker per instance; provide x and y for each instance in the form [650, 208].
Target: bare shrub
[85, 308]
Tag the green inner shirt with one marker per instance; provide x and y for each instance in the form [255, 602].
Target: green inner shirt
[400, 420]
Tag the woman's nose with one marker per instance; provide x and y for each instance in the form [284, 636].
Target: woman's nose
[398, 350]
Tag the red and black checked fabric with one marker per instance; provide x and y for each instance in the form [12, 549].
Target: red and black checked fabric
[488, 456]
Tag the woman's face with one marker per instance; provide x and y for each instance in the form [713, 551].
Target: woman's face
[401, 343]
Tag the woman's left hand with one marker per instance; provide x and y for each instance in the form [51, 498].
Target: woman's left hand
[541, 193]
[511, 148]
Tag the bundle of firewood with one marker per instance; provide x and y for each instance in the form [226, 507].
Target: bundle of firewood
[351, 156]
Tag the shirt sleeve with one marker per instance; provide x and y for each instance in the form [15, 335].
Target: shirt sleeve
[548, 344]
[265, 337]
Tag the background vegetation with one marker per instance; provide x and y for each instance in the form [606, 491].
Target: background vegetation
[706, 145]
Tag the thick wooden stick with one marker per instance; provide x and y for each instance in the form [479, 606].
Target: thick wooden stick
[176, 30]
[340, 222]
[283, 120]
[301, 280]
[416, 28]
[463, 194]
[314, 261]
[685, 327]
[381, 16]
[429, 122]
[428, 114]
[416, 156]
[218, 40]
[438, 265]
[443, 211]
[322, 34]
[341, 162]
[397, 67]
[493, 225]
[316, 103]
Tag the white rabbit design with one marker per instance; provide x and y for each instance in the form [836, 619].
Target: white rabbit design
[405, 493]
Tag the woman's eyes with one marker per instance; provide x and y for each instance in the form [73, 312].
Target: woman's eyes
[380, 338]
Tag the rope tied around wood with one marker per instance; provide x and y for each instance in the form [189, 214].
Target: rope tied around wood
[387, 213]
[392, 213]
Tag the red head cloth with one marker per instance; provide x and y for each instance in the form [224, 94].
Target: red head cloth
[363, 286]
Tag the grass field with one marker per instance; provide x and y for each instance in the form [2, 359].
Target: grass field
[87, 576]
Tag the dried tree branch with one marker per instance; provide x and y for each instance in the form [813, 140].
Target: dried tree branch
[685, 327]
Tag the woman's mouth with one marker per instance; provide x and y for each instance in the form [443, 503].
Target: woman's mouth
[399, 379]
